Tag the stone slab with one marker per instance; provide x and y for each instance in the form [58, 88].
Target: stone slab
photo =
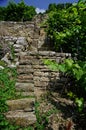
[21, 118]
[25, 87]
[21, 104]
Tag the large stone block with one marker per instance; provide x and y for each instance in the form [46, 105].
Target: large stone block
[21, 104]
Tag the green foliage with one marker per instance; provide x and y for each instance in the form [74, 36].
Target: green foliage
[7, 91]
[43, 118]
[17, 12]
[29, 128]
[77, 70]
[12, 51]
[79, 101]
[2, 13]
[2, 63]
[56, 7]
[51, 64]
[67, 30]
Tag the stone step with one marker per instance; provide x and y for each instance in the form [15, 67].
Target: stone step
[25, 78]
[24, 87]
[25, 59]
[24, 69]
[25, 94]
[29, 59]
[21, 104]
[21, 118]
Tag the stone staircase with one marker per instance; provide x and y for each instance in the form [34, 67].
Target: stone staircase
[33, 79]
[22, 111]
[31, 47]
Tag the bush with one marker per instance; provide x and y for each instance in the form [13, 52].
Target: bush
[7, 91]
[17, 12]
[67, 30]
[77, 72]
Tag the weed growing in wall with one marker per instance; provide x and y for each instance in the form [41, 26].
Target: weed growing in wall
[12, 52]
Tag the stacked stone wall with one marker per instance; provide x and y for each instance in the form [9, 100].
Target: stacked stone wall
[43, 77]
[31, 31]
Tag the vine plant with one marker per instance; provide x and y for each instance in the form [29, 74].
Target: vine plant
[78, 72]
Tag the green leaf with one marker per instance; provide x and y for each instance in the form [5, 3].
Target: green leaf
[78, 73]
[51, 64]
[62, 68]
[69, 63]
[80, 103]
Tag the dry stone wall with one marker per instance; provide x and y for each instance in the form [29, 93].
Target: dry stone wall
[39, 74]
[30, 31]
[16, 37]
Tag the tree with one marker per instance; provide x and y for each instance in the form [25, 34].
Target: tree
[67, 30]
[29, 13]
[56, 7]
[11, 12]
[2, 13]
[17, 12]
[52, 7]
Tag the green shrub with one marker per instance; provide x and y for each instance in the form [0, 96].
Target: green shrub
[76, 71]
[7, 91]
[67, 30]
[17, 12]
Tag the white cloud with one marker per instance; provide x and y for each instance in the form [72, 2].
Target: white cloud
[38, 10]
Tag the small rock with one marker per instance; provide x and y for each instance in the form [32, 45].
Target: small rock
[5, 58]
[21, 41]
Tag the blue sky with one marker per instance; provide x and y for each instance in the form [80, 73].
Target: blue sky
[40, 4]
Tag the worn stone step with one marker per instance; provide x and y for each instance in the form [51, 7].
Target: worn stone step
[25, 78]
[25, 94]
[21, 118]
[29, 59]
[24, 69]
[21, 104]
[24, 87]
